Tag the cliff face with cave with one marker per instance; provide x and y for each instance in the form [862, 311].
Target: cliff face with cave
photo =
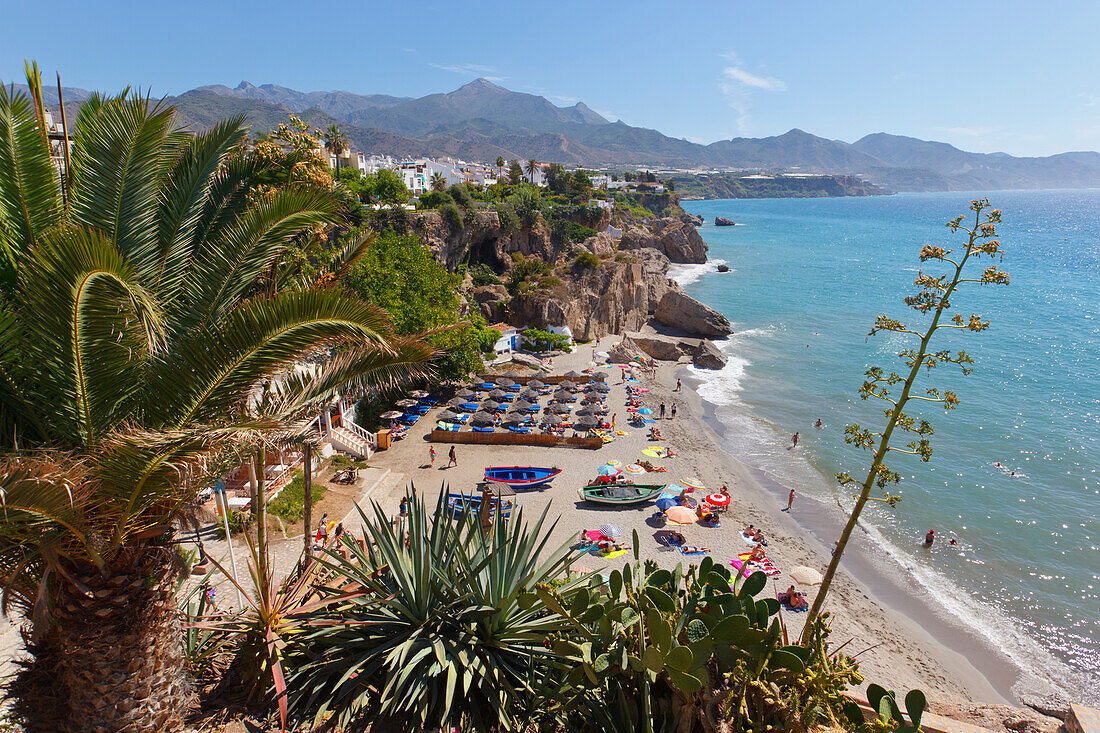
[622, 292]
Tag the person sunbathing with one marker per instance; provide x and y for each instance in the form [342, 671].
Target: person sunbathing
[758, 554]
[785, 597]
[749, 531]
[758, 536]
[655, 434]
[669, 453]
[692, 550]
[608, 546]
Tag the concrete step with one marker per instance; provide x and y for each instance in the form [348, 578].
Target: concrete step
[1082, 720]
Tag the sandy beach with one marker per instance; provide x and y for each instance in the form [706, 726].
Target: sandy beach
[899, 650]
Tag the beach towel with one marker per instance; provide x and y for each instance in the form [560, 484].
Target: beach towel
[789, 608]
[595, 535]
[699, 552]
[610, 555]
[748, 569]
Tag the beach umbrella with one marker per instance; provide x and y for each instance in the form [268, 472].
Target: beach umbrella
[610, 530]
[513, 418]
[482, 418]
[457, 402]
[391, 415]
[491, 406]
[418, 394]
[523, 405]
[405, 403]
[588, 422]
[717, 499]
[566, 384]
[602, 355]
[558, 407]
[693, 483]
[606, 470]
[634, 469]
[805, 576]
[599, 375]
[645, 411]
[551, 420]
[506, 382]
[535, 384]
[591, 363]
[573, 374]
[448, 416]
[654, 452]
[665, 503]
[530, 395]
[585, 412]
[614, 463]
[466, 393]
[564, 395]
[680, 515]
[496, 394]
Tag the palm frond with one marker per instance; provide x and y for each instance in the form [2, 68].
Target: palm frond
[29, 186]
[214, 371]
[41, 495]
[87, 323]
[185, 195]
[115, 184]
[225, 269]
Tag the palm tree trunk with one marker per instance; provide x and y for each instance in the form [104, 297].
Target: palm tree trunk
[113, 660]
[307, 482]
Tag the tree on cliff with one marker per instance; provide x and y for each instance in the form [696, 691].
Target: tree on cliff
[933, 299]
[388, 188]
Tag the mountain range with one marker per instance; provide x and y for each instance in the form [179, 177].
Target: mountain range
[482, 120]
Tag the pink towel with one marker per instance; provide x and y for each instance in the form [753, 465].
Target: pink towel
[594, 534]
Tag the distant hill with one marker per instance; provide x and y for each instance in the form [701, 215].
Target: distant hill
[481, 120]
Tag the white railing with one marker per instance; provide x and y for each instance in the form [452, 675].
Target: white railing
[371, 438]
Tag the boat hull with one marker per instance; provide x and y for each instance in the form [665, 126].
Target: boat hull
[621, 494]
[521, 477]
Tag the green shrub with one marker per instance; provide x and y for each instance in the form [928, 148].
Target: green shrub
[587, 260]
[509, 222]
[452, 215]
[290, 504]
[544, 340]
[482, 274]
[435, 199]
[460, 193]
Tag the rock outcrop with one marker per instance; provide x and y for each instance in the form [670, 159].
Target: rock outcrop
[492, 301]
[481, 239]
[526, 360]
[623, 352]
[601, 245]
[693, 219]
[661, 347]
[721, 221]
[679, 310]
[723, 268]
[708, 356]
[677, 240]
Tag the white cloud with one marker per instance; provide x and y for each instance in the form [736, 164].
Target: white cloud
[1091, 100]
[739, 75]
[485, 72]
[739, 84]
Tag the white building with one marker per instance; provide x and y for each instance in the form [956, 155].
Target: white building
[509, 338]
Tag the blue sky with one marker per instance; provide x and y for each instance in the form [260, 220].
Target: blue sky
[1018, 77]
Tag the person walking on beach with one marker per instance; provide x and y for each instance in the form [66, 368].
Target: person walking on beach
[794, 440]
[662, 410]
[431, 456]
[673, 410]
[678, 386]
[790, 500]
[613, 416]
[452, 459]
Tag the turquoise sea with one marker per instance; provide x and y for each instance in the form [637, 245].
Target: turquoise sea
[807, 278]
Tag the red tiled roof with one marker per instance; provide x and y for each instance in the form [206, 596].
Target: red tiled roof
[502, 327]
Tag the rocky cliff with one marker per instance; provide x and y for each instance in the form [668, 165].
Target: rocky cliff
[679, 240]
[481, 239]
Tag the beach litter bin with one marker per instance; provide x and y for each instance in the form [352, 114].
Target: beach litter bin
[384, 439]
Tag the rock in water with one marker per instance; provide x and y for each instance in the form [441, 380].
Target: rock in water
[721, 221]
[679, 310]
[723, 268]
[708, 356]
[661, 347]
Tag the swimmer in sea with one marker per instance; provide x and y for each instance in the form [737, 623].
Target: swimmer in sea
[998, 464]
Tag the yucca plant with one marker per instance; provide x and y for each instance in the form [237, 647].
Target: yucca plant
[443, 639]
[137, 361]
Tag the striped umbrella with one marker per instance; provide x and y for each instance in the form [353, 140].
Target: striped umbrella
[693, 483]
[718, 499]
[615, 463]
[634, 469]
[653, 452]
[606, 470]
[610, 530]
[805, 576]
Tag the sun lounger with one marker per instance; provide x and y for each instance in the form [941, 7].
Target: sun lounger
[521, 430]
[430, 400]
[480, 429]
[409, 418]
[471, 406]
[451, 427]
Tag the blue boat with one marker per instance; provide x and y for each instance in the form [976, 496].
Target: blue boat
[459, 504]
[521, 477]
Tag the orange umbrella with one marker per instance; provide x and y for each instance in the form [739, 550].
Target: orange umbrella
[681, 515]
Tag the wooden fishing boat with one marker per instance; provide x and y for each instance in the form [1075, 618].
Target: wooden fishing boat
[620, 493]
[459, 504]
[521, 477]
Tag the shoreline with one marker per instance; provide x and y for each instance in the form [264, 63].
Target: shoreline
[900, 649]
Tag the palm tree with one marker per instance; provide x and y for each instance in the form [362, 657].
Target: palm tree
[531, 167]
[136, 362]
[336, 142]
[438, 182]
[500, 166]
